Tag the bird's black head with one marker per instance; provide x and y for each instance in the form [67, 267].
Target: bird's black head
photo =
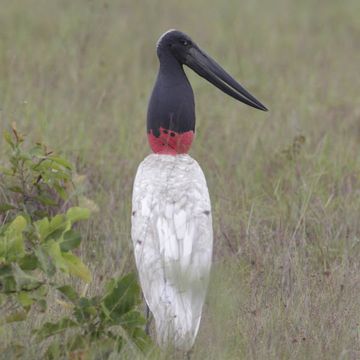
[176, 44]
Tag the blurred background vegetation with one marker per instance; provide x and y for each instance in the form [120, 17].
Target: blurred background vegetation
[284, 185]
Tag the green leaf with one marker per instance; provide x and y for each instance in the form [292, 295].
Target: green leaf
[85, 309]
[7, 281]
[59, 224]
[46, 200]
[45, 261]
[18, 224]
[69, 292]
[41, 305]
[53, 228]
[38, 213]
[132, 319]
[23, 280]
[77, 213]
[61, 161]
[12, 241]
[142, 341]
[35, 297]
[76, 266]
[71, 240]
[43, 227]
[28, 262]
[36, 150]
[67, 261]
[123, 294]
[49, 329]
[24, 156]
[53, 249]
[25, 299]
[61, 191]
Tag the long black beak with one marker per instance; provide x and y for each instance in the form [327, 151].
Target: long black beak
[210, 70]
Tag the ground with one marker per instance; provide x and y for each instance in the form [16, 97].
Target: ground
[284, 185]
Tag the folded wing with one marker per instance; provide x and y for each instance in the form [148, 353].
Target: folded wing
[172, 238]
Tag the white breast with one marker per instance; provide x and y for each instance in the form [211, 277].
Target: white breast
[172, 237]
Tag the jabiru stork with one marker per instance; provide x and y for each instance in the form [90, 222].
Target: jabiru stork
[171, 211]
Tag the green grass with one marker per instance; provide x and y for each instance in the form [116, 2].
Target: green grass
[286, 273]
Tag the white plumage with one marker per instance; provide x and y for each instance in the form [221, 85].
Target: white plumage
[172, 238]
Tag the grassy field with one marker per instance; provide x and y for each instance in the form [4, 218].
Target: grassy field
[285, 185]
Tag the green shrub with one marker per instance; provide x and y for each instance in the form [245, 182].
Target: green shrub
[38, 236]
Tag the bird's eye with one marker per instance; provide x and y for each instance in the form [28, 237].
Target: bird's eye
[184, 42]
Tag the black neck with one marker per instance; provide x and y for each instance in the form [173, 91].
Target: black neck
[171, 103]
[170, 66]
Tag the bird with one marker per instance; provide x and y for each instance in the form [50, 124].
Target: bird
[171, 222]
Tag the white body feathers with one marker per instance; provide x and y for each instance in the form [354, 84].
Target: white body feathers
[172, 238]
